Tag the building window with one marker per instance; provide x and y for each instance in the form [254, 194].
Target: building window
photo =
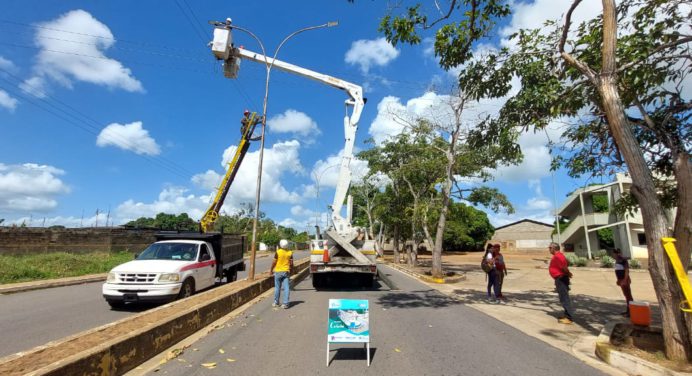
[641, 238]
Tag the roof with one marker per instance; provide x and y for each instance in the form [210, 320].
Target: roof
[524, 220]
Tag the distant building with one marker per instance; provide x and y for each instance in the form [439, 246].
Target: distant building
[525, 235]
[581, 235]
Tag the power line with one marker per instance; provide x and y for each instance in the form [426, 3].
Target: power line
[87, 127]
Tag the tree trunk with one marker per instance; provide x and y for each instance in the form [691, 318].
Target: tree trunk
[397, 257]
[676, 332]
[682, 231]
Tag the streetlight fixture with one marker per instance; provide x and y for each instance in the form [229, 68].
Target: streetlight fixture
[230, 71]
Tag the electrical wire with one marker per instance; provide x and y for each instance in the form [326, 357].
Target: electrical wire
[85, 123]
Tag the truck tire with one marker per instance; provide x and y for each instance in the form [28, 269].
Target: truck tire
[187, 289]
[116, 304]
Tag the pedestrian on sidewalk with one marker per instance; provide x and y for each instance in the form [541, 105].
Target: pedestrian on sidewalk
[488, 265]
[622, 274]
[281, 269]
[501, 268]
[560, 273]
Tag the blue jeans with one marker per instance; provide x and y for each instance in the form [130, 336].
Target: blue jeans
[563, 292]
[281, 282]
[494, 282]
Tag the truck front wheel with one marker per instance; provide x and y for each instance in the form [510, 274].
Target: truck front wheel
[116, 304]
[187, 289]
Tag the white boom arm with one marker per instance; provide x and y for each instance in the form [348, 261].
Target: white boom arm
[355, 100]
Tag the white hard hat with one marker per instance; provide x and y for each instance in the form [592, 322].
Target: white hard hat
[283, 243]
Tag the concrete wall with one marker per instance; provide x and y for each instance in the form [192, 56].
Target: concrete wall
[26, 240]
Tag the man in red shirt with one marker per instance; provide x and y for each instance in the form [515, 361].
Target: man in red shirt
[560, 272]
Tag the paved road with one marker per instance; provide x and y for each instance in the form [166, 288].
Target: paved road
[32, 318]
[415, 330]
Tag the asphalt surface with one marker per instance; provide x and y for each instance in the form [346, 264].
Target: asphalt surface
[33, 318]
[414, 330]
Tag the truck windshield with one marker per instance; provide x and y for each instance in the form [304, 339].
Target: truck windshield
[169, 251]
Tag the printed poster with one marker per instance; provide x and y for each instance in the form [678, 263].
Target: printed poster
[348, 321]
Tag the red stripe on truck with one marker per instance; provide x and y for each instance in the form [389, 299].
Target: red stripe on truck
[198, 265]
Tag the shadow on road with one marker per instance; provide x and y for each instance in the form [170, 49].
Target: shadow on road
[591, 312]
[351, 353]
[417, 299]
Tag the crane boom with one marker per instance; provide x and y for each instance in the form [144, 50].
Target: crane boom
[355, 102]
[212, 214]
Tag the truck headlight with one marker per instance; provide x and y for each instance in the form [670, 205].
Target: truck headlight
[169, 277]
[111, 277]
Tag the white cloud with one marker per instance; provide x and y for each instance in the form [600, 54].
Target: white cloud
[7, 101]
[132, 137]
[292, 121]
[172, 200]
[300, 211]
[81, 41]
[538, 203]
[7, 65]
[325, 172]
[30, 187]
[209, 180]
[368, 53]
[393, 116]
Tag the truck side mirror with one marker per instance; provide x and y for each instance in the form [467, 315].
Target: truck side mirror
[206, 257]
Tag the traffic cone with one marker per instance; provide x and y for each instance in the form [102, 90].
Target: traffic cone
[325, 254]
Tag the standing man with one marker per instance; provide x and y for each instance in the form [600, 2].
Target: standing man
[282, 266]
[622, 274]
[560, 272]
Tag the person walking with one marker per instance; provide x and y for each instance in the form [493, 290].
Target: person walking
[622, 274]
[560, 273]
[281, 269]
[501, 268]
[488, 265]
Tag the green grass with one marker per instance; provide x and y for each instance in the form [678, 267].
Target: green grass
[26, 268]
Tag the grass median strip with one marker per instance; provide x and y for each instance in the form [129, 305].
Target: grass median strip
[25, 268]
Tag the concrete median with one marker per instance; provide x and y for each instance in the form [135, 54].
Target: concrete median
[118, 347]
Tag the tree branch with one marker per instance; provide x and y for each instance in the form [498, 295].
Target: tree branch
[658, 49]
[568, 23]
[444, 17]
[585, 69]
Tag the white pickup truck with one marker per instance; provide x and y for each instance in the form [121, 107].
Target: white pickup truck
[174, 267]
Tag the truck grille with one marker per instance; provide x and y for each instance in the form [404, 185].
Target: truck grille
[137, 277]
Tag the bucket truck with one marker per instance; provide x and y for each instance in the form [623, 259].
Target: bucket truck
[344, 249]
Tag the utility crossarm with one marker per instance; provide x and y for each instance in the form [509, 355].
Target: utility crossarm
[212, 214]
[355, 101]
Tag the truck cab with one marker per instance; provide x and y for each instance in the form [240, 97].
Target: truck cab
[173, 267]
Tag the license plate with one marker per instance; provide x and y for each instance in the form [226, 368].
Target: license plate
[130, 297]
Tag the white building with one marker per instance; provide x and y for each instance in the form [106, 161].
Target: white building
[580, 236]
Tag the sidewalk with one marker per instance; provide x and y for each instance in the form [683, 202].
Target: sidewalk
[533, 306]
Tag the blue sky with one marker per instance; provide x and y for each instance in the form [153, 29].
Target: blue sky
[120, 107]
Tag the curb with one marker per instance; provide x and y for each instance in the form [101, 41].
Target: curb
[627, 363]
[425, 277]
[48, 283]
[118, 347]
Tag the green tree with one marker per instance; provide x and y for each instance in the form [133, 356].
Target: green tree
[626, 68]
[467, 229]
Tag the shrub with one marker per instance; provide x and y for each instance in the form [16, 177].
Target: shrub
[582, 261]
[607, 262]
[571, 259]
[635, 264]
[600, 254]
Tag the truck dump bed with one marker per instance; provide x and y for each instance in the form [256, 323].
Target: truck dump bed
[228, 249]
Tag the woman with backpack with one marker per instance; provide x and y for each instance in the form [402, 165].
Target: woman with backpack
[488, 266]
[500, 267]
